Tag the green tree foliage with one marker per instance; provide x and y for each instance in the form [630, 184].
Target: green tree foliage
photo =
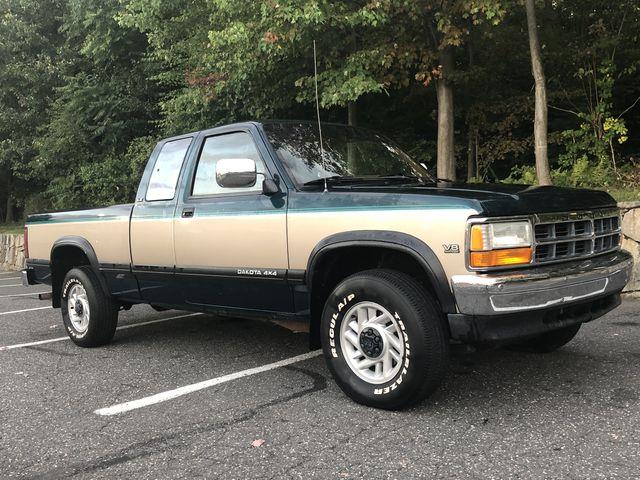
[108, 98]
[28, 76]
[596, 88]
[599, 72]
[264, 48]
[177, 31]
[88, 86]
[253, 53]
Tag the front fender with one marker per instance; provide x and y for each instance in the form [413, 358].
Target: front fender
[396, 241]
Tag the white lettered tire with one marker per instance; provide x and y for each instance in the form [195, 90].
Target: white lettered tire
[89, 315]
[384, 339]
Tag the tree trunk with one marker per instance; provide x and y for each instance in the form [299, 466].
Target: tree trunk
[446, 157]
[352, 157]
[540, 120]
[471, 155]
[9, 213]
[352, 114]
[477, 150]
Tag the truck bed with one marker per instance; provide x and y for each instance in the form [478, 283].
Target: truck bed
[106, 229]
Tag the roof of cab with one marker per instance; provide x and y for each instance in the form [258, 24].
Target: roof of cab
[249, 123]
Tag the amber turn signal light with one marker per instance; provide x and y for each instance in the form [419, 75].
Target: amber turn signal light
[479, 234]
[501, 258]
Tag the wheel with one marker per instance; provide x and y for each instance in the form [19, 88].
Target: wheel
[384, 340]
[550, 341]
[89, 316]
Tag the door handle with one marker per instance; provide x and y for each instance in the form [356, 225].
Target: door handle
[188, 212]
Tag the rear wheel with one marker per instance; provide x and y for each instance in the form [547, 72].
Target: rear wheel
[550, 341]
[89, 315]
[384, 339]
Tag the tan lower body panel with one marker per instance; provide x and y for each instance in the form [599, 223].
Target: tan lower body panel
[232, 241]
[152, 242]
[258, 241]
[434, 227]
[109, 239]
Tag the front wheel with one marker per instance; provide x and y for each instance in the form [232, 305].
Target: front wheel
[89, 315]
[384, 339]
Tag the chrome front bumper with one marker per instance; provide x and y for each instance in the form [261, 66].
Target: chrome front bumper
[542, 288]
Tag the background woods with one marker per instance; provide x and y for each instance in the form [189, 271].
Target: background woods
[88, 86]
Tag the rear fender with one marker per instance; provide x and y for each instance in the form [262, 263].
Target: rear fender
[61, 263]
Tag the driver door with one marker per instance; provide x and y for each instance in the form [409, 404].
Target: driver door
[231, 243]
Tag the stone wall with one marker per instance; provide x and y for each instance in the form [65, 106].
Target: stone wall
[11, 252]
[631, 240]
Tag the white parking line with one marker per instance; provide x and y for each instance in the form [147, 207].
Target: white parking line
[22, 294]
[32, 344]
[13, 285]
[124, 327]
[178, 392]
[9, 273]
[25, 310]
[9, 279]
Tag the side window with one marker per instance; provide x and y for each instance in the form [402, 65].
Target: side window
[228, 146]
[162, 184]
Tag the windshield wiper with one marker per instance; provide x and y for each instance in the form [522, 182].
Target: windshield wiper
[402, 177]
[320, 181]
[340, 180]
[337, 179]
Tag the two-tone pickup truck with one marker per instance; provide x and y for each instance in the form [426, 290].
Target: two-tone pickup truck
[387, 264]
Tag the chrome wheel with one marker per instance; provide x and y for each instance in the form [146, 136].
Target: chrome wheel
[78, 308]
[372, 343]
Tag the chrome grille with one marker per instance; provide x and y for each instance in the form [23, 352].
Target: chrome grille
[575, 235]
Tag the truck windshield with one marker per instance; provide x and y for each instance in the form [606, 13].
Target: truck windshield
[350, 154]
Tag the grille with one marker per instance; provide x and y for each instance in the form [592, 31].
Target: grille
[570, 236]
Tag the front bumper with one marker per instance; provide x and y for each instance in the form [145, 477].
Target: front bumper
[503, 307]
[512, 327]
[542, 287]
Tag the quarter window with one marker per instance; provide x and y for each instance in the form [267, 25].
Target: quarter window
[228, 146]
[164, 178]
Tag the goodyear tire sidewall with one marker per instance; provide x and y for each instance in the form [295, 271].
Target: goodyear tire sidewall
[408, 378]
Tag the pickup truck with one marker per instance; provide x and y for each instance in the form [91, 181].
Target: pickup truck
[389, 265]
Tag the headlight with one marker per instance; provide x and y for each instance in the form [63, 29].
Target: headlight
[500, 244]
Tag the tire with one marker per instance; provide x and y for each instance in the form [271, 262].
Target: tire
[99, 325]
[550, 341]
[417, 356]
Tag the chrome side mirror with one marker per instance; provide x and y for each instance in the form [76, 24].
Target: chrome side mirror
[236, 172]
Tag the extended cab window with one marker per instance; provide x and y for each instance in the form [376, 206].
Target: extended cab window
[235, 145]
[162, 185]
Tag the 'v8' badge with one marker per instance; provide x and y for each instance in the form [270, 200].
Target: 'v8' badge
[451, 248]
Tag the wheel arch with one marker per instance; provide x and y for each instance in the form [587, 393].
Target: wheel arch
[404, 245]
[67, 253]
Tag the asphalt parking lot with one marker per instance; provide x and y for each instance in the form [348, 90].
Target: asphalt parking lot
[574, 413]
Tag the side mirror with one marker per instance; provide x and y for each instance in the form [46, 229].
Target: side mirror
[236, 172]
[270, 187]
